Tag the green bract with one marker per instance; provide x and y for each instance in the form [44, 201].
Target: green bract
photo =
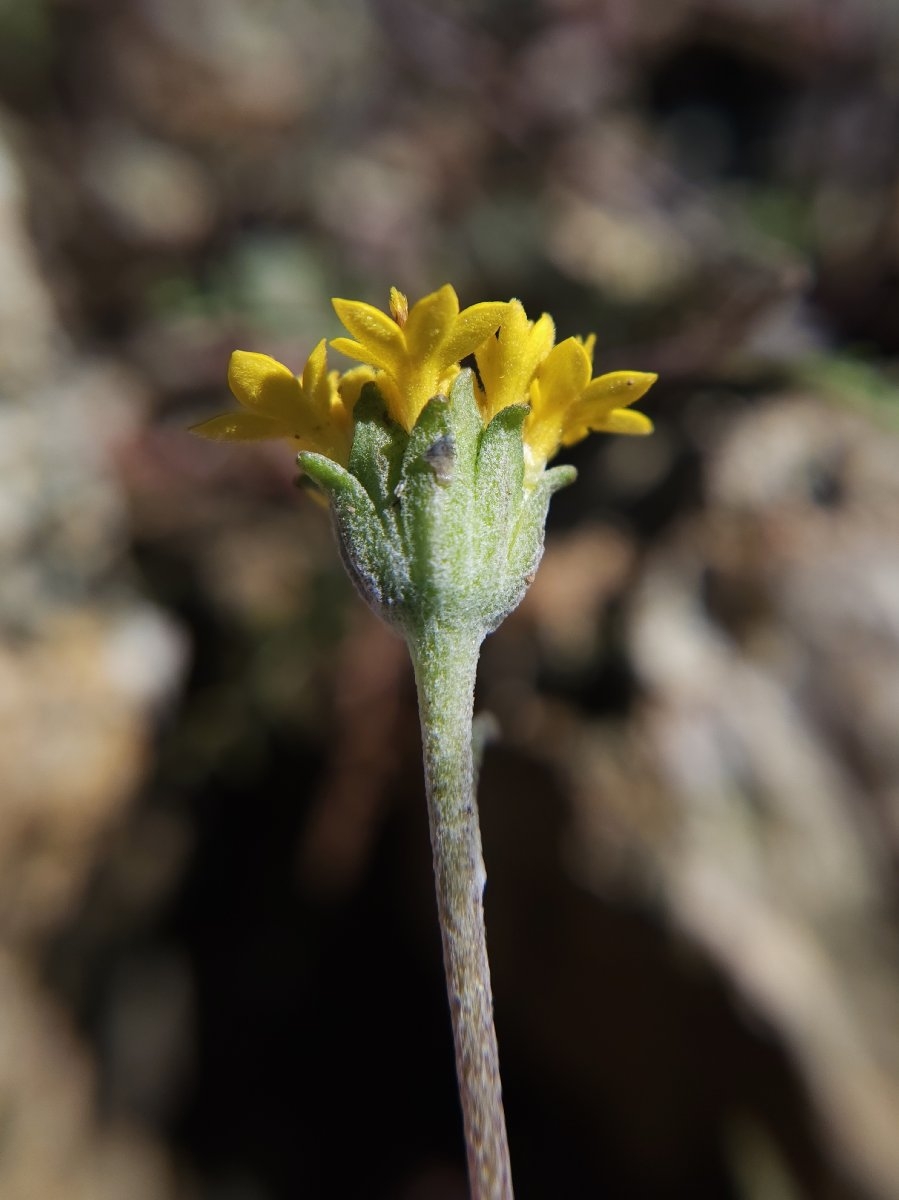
[437, 526]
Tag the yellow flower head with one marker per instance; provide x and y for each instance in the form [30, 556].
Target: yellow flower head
[412, 354]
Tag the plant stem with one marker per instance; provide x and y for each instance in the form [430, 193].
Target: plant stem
[445, 663]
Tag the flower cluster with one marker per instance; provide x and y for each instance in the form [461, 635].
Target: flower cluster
[412, 354]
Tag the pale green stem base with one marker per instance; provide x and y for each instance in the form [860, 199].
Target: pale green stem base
[445, 663]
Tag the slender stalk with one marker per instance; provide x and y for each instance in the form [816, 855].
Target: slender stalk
[445, 664]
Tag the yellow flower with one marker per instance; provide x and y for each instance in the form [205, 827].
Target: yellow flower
[415, 351]
[566, 404]
[312, 412]
[413, 354]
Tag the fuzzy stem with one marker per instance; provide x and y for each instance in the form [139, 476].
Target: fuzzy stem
[445, 663]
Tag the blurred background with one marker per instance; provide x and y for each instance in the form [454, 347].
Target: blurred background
[220, 973]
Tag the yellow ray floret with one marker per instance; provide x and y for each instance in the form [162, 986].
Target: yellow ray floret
[416, 350]
[566, 404]
[311, 411]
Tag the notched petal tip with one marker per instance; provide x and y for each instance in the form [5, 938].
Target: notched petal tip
[430, 321]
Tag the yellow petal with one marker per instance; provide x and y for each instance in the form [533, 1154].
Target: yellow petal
[446, 378]
[264, 385]
[542, 337]
[352, 382]
[618, 389]
[379, 340]
[589, 344]
[429, 323]
[240, 427]
[507, 362]
[602, 407]
[626, 420]
[563, 375]
[316, 368]
[557, 386]
[319, 385]
[514, 333]
[473, 326]
[345, 345]
[333, 437]
[542, 438]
